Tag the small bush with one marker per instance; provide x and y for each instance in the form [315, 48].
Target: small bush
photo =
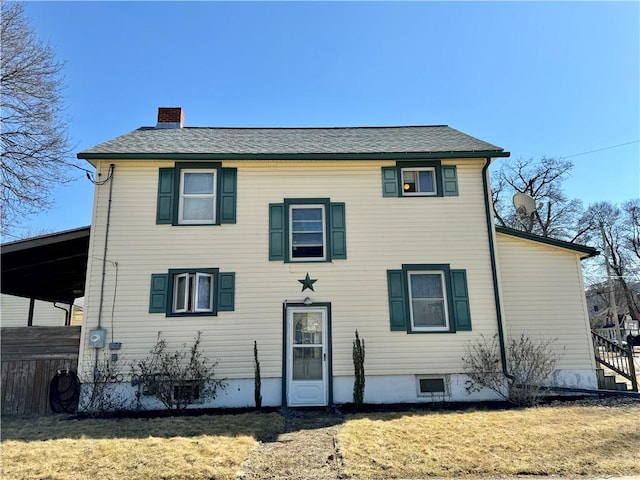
[257, 383]
[177, 378]
[529, 364]
[358, 366]
[101, 393]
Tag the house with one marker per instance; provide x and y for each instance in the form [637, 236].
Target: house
[297, 237]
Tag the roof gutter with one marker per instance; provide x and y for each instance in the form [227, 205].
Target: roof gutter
[494, 268]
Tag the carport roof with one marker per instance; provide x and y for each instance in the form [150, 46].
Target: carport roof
[49, 267]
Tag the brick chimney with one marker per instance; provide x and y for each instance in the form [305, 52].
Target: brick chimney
[170, 117]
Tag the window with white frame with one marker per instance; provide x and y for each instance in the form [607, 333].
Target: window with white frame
[197, 202]
[428, 301]
[419, 181]
[193, 292]
[307, 237]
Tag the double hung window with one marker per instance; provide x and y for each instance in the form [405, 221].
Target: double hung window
[197, 203]
[196, 193]
[427, 301]
[428, 298]
[307, 232]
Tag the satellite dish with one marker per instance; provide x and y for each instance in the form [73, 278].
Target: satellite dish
[525, 205]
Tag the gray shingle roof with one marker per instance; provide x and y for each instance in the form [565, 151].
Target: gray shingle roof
[147, 141]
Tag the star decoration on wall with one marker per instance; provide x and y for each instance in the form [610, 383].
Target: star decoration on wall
[307, 282]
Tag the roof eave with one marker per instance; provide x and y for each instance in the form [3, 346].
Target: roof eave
[293, 156]
[46, 239]
[587, 251]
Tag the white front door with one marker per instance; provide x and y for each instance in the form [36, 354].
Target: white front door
[307, 356]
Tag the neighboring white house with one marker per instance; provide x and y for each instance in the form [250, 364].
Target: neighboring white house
[14, 312]
[296, 237]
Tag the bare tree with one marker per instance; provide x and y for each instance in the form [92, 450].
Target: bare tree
[556, 215]
[631, 212]
[615, 231]
[34, 144]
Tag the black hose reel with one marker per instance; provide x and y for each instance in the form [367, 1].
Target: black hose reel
[64, 392]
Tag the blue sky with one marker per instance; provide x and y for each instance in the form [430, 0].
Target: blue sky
[539, 78]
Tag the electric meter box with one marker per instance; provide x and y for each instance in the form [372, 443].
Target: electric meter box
[97, 338]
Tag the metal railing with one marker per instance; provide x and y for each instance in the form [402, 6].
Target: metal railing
[615, 357]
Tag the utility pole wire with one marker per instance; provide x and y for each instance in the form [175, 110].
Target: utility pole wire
[600, 149]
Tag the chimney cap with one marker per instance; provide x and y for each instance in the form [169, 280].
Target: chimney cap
[170, 117]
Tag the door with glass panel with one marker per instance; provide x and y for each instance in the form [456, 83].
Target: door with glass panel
[306, 356]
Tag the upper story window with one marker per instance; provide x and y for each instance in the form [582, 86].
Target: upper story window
[197, 203]
[307, 232]
[419, 181]
[196, 193]
[420, 178]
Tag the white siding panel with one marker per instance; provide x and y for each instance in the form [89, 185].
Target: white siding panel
[382, 233]
[543, 296]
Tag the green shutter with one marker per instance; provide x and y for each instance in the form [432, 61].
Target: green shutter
[276, 231]
[338, 232]
[164, 212]
[449, 181]
[389, 182]
[228, 195]
[158, 295]
[226, 291]
[460, 297]
[397, 308]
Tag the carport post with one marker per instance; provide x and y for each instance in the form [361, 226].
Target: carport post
[32, 304]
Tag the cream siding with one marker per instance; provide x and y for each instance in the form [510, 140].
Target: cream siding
[543, 295]
[382, 233]
[14, 312]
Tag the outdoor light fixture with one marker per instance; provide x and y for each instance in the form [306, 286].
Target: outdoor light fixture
[307, 301]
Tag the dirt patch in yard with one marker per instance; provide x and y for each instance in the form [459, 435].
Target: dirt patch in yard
[306, 449]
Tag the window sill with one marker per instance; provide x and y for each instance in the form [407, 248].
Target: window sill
[210, 224]
[193, 314]
[430, 331]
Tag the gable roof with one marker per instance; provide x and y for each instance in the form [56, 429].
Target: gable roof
[309, 143]
[587, 251]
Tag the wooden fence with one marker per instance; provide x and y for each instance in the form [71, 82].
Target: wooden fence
[30, 358]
